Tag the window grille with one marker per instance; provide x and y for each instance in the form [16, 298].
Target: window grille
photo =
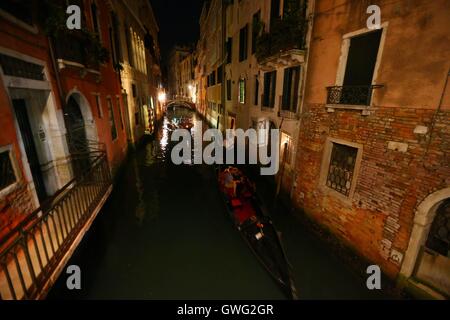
[7, 176]
[341, 169]
[19, 68]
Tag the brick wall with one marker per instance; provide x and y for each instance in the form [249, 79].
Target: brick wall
[14, 208]
[378, 220]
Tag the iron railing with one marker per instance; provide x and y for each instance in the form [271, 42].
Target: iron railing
[71, 48]
[79, 48]
[351, 95]
[32, 253]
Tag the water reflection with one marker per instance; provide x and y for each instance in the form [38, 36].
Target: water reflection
[140, 206]
[165, 234]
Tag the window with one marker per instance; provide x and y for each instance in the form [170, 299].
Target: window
[22, 10]
[232, 122]
[112, 121]
[95, 24]
[341, 168]
[119, 109]
[128, 38]
[270, 79]
[361, 59]
[137, 112]
[213, 78]
[242, 91]
[219, 74]
[115, 39]
[229, 50]
[256, 98]
[7, 173]
[274, 11]
[290, 6]
[256, 29]
[229, 90]
[19, 68]
[290, 89]
[359, 70]
[98, 104]
[286, 147]
[243, 43]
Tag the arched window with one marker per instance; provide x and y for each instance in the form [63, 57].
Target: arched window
[129, 39]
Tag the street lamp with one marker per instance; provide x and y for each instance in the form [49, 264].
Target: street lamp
[162, 97]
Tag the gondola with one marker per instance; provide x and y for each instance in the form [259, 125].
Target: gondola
[255, 226]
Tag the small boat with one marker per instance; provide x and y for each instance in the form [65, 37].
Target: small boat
[255, 226]
[186, 123]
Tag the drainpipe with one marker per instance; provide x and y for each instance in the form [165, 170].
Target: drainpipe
[60, 89]
[283, 163]
[223, 84]
[56, 71]
[310, 12]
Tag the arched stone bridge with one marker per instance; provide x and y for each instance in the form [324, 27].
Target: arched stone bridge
[180, 102]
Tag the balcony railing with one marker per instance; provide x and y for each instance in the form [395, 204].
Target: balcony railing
[82, 48]
[71, 49]
[351, 95]
[34, 252]
[286, 34]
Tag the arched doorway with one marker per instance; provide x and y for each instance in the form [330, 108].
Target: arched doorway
[81, 132]
[76, 132]
[427, 259]
[433, 263]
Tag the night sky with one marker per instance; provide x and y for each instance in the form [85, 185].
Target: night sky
[178, 22]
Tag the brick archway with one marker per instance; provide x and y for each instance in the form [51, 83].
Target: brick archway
[423, 219]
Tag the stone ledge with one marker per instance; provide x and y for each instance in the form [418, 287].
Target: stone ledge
[364, 109]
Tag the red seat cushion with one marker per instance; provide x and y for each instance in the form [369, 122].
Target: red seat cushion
[236, 203]
[244, 212]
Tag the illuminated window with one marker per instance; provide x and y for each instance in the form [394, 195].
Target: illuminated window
[286, 148]
[242, 91]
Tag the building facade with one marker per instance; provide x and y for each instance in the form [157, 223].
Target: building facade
[179, 70]
[253, 55]
[139, 57]
[62, 95]
[373, 148]
[363, 114]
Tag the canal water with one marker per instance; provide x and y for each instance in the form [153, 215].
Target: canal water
[164, 234]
